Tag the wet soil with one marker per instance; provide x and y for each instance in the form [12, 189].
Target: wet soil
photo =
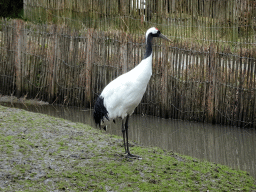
[42, 153]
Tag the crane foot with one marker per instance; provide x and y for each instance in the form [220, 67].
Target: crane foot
[131, 156]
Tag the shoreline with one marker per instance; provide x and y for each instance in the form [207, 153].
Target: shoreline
[40, 152]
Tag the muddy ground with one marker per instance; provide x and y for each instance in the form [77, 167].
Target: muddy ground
[43, 153]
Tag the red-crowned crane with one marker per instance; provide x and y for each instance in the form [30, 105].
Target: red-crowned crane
[122, 95]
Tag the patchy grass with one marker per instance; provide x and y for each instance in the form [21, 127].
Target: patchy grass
[43, 153]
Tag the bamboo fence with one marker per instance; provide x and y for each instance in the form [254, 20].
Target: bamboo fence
[68, 66]
[231, 22]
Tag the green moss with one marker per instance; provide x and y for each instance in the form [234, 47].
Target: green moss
[8, 138]
[88, 160]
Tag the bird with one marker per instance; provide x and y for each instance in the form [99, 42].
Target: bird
[123, 94]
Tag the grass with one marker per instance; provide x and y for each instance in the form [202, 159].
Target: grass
[67, 156]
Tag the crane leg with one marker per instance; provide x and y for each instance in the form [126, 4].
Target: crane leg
[127, 143]
[123, 131]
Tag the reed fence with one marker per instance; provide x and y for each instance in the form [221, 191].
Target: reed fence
[68, 66]
[226, 22]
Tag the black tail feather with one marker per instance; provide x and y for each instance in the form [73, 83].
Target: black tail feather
[100, 111]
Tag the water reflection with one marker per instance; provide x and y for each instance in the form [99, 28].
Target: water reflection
[230, 146]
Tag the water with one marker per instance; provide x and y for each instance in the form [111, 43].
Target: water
[225, 145]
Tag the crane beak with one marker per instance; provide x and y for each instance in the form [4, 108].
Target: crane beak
[163, 37]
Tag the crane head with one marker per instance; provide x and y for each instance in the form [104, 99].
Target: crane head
[155, 33]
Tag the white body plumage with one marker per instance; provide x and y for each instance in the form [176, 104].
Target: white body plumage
[122, 95]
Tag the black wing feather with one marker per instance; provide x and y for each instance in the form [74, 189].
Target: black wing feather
[100, 111]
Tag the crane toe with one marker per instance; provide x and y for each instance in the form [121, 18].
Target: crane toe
[131, 156]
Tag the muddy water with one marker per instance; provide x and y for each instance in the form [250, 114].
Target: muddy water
[230, 146]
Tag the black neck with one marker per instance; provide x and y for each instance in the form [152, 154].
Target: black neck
[148, 46]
